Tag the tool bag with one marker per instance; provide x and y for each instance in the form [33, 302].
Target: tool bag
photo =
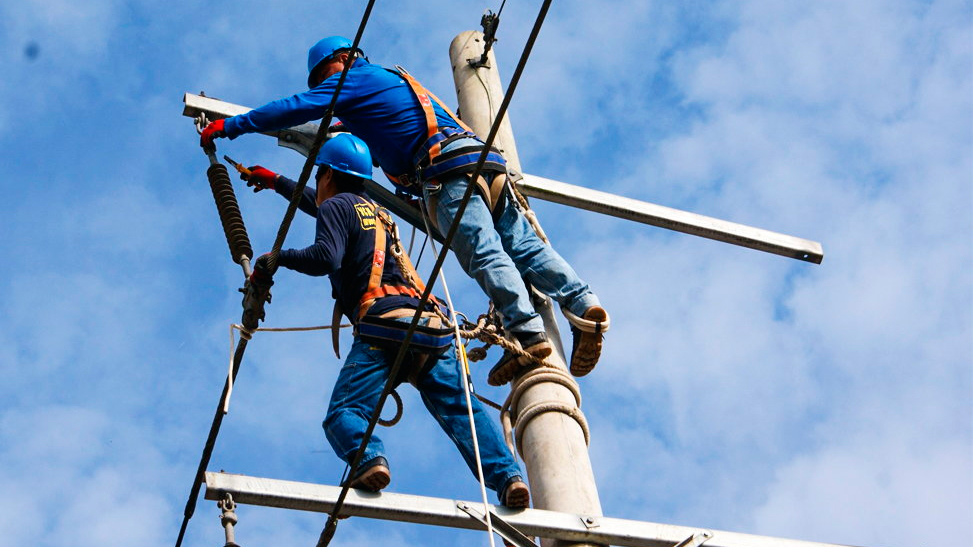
[386, 331]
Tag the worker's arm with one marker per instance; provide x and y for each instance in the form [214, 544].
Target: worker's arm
[285, 187]
[324, 256]
[290, 111]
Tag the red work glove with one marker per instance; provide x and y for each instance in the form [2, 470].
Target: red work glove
[260, 178]
[212, 131]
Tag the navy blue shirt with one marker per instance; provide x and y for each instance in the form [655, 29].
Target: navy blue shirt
[375, 105]
[344, 244]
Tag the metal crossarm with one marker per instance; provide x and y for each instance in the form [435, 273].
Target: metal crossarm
[299, 138]
[446, 512]
[671, 219]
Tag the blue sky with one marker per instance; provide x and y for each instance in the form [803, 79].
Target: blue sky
[738, 390]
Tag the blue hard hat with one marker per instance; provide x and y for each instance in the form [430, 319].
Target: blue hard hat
[346, 153]
[324, 50]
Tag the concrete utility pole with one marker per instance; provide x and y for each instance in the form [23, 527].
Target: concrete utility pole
[552, 443]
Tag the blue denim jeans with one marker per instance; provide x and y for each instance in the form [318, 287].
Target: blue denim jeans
[357, 391]
[499, 255]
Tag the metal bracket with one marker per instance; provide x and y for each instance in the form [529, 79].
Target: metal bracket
[695, 540]
[228, 518]
[500, 526]
[590, 522]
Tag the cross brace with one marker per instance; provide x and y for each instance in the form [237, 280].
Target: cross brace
[449, 513]
[299, 138]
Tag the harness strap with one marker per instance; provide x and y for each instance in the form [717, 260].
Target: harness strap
[437, 138]
[424, 96]
[375, 289]
[390, 290]
[335, 321]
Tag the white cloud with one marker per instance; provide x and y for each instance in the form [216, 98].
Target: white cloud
[898, 476]
[763, 390]
[73, 472]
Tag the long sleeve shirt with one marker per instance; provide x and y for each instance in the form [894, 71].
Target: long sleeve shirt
[374, 104]
[343, 248]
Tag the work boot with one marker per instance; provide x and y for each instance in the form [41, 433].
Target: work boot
[372, 475]
[534, 343]
[586, 347]
[515, 494]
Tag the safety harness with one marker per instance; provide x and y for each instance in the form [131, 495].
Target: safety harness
[434, 336]
[431, 163]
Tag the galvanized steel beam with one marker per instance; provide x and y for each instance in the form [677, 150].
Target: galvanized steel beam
[449, 513]
[672, 219]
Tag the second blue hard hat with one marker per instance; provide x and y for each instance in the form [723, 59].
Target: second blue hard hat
[346, 153]
[324, 50]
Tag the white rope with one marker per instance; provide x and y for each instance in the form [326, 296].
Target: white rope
[525, 415]
[464, 366]
[247, 334]
[586, 325]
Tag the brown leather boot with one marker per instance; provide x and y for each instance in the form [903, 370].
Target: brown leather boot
[516, 495]
[586, 348]
[373, 476]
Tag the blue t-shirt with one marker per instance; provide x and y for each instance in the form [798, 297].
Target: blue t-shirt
[344, 244]
[375, 105]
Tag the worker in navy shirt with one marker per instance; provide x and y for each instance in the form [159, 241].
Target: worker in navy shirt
[426, 151]
[344, 248]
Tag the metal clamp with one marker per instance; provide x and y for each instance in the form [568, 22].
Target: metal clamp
[590, 522]
[228, 518]
[695, 540]
[201, 122]
[505, 529]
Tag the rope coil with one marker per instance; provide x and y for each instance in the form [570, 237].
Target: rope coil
[523, 416]
[489, 334]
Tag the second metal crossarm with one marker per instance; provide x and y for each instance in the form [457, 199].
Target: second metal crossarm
[298, 138]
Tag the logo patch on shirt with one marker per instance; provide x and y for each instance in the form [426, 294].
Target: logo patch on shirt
[366, 215]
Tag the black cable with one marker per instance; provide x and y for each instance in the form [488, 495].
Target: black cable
[316, 147]
[422, 250]
[275, 253]
[210, 443]
[328, 533]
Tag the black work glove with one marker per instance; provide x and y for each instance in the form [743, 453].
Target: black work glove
[262, 272]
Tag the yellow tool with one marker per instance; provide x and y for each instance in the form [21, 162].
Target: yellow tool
[239, 166]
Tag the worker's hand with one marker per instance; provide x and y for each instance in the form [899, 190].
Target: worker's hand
[212, 131]
[260, 178]
[262, 273]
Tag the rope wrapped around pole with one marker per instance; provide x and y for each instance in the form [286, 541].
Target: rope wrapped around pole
[523, 416]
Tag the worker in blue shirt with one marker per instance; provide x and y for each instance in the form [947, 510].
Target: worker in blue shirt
[427, 151]
[370, 282]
